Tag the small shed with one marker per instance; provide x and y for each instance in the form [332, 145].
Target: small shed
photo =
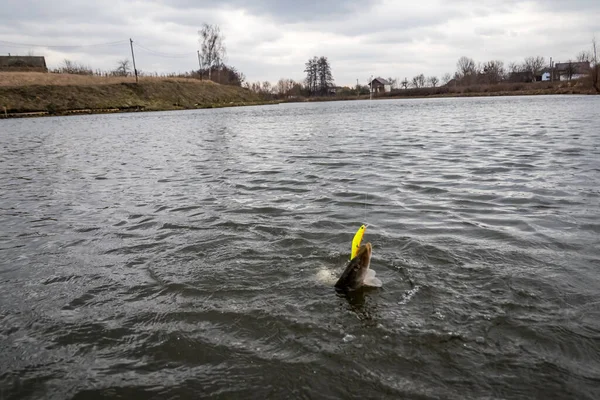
[23, 63]
[380, 85]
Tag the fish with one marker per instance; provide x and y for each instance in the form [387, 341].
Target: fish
[357, 273]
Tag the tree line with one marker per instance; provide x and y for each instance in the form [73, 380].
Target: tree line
[211, 60]
[470, 72]
[319, 80]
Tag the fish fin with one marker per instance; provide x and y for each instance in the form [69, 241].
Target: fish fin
[372, 281]
[370, 274]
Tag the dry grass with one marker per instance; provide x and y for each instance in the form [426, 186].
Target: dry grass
[58, 93]
[20, 79]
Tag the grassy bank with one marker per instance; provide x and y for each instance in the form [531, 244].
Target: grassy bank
[25, 94]
[39, 94]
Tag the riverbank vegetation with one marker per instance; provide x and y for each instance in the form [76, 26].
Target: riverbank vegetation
[65, 93]
[73, 87]
[534, 75]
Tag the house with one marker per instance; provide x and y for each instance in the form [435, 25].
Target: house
[549, 74]
[572, 70]
[380, 85]
[23, 63]
[451, 83]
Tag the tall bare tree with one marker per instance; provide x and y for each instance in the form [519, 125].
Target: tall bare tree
[433, 81]
[266, 87]
[534, 65]
[311, 70]
[283, 86]
[325, 76]
[466, 66]
[212, 49]
[570, 70]
[318, 76]
[418, 81]
[493, 71]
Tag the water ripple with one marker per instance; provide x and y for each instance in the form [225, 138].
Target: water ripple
[185, 253]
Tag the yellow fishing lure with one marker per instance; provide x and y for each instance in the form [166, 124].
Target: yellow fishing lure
[356, 241]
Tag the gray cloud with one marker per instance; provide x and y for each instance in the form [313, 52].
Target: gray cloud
[270, 39]
[286, 11]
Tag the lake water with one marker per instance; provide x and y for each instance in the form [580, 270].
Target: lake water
[193, 254]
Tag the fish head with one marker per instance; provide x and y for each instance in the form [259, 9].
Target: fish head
[353, 276]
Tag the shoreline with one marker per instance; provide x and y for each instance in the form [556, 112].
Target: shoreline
[46, 100]
[4, 114]
[26, 95]
[89, 111]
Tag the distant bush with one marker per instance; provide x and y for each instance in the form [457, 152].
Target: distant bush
[71, 67]
[52, 109]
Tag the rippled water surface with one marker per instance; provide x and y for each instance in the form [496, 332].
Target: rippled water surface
[193, 254]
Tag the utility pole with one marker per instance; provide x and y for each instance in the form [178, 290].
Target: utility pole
[133, 57]
[551, 71]
[371, 88]
[199, 64]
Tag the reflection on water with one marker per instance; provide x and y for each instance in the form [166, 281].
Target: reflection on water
[194, 253]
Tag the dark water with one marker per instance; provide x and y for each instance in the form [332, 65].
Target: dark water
[192, 254]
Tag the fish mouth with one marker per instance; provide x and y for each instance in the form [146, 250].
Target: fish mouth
[368, 250]
[353, 276]
[363, 257]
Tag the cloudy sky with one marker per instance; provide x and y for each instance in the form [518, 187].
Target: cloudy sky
[271, 39]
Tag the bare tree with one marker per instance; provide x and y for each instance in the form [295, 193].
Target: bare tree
[72, 67]
[514, 68]
[534, 65]
[325, 76]
[212, 49]
[433, 81]
[266, 87]
[123, 68]
[68, 66]
[393, 82]
[318, 75]
[584, 56]
[570, 70]
[466, 66]
[493, 71]
[281, 88]
[447, 77]
[312, 76]
[418, 81]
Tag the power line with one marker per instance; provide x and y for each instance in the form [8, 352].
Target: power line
[116, 43]
[161, 54]
[14, 44]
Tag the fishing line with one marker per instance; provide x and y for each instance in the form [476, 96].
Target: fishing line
[365, 218]
[75, 46]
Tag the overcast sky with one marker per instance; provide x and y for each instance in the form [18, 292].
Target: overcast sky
[271, 39]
